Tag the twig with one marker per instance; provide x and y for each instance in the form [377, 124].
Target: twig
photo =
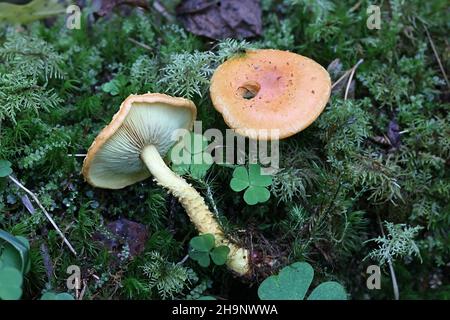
[163, 11]
[45, 212]
[340, 79]
[436, 55]
[355, 7]
[77, 154]
[183, 260]
[81, 296]
[140, 44]
[350, 78]
[391, 267]
[209, 195]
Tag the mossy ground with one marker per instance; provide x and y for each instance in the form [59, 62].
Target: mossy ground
[344, 174]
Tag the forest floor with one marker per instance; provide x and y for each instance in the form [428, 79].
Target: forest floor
[366, 184]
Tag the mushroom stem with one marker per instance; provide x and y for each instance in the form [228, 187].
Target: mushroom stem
[195, 206]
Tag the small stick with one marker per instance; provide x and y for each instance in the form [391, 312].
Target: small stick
[81, 296]
[340, 79]
[140, 44]
[436, 55]
[350, 78]
[77, 154]
[45, 212]
[162, 10]
[210, 197]
[183, 260]
[345, 75]
[391, 267]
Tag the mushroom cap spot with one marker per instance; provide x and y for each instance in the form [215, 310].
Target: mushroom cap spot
[293, 91]
[113, 160]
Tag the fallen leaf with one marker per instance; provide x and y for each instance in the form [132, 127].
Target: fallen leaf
[105, 7]
[124, 232]
[393, 134]
[221, 19]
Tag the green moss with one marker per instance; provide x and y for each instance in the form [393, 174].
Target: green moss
[336, 176]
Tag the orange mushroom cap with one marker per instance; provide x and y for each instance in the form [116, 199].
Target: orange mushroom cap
[267, 90]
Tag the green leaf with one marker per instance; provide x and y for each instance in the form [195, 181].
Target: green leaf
[291, 283]
[114, 86]
[330, 290]
[240, 179]
[204, 242]
[11, 281]
[64, 296]
[220, 255]
[49, 295]
[254, 195]
[16, 251]
[206, 298]
[195, 143]
[181, 168]
[26, 259]
[240, 173]
[200, 165]
[238, 185]
[199, 162]
[256, 178]
[201, 257]
[5, 168]
[254, 181]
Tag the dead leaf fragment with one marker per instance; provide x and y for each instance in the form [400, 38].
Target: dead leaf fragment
[221, 19]
[124, 232]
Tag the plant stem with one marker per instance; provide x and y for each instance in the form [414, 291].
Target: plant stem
[20, 185]
[391, 267]
[196, 209]
[350, 78]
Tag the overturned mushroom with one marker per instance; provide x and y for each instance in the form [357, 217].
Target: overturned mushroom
[131, 148]
[270, 90]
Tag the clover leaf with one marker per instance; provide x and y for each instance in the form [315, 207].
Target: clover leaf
[292, 283]
[203, 250]
[191, 158]
[11, 281]
[14, 252]
[219, 255]
[253, 182]
[49, 295]
[206, 298]
[5, 168]
[111, 87]
[204, 242]
[115, 86]
[14, 262]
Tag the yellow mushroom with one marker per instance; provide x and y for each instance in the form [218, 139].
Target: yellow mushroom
[132, 147]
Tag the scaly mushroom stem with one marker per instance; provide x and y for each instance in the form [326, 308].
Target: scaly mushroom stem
[195, 206]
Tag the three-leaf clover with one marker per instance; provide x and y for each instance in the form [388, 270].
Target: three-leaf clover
[292, 283]
[114, 86]
[189, 156]
[203, 250]
[252, 180]
[5, 168]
